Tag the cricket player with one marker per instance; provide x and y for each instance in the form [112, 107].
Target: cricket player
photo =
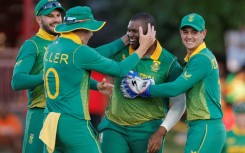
[130, 124]
[67, 64]
[234, 95]
[200, 81]
[28, 71]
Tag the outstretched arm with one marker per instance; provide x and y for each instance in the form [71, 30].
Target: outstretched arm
[110, 49]
[109, 67]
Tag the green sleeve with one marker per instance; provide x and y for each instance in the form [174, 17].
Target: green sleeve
[22, 79]
[195, 70]
[93, 84]
[87, 58]
[110, 49]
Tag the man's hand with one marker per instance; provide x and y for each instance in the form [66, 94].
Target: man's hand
[132, 87]
[156, 140]
[105, 88]
[125, 39]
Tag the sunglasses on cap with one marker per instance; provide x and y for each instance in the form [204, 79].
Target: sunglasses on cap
[71, 20]
[49, 5]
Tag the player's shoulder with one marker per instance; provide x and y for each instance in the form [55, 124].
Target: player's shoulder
[167, 53]
[205, 54]
[167, 56]
[83, 49]
[33, 41]
[29, 44]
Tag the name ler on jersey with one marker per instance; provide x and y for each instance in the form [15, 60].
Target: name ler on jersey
[56, 57]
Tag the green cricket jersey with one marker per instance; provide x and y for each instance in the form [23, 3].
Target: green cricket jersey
[28, 70]
[67, 65]
[160, 66]
[235, 141]
[200, 81]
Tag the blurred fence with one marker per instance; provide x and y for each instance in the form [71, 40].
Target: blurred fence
[7, 95]
[7, 61]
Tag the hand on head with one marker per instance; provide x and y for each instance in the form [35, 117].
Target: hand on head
[149, 38]
[146, 40]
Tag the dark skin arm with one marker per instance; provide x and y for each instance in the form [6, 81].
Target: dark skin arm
[156, 139]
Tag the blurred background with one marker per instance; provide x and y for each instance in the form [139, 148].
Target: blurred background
[225, 22]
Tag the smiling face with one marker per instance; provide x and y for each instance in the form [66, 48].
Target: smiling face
[48, 23]
[192, 38]
[133, 32]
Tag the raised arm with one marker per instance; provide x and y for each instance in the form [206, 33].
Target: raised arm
[104, 65]
[108, 50]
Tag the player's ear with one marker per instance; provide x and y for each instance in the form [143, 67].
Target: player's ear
[204, 32]
[38, 19]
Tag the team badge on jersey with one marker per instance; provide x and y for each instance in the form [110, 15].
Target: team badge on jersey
[155, 66]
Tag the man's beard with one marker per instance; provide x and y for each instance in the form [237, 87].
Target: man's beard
[48, 30]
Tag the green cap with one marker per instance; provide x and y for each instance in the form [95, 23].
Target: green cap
[79, 17]
[45, 7]
[239, 108]
[193, 20]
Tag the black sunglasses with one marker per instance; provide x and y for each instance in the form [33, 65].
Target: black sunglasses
[49, 5]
